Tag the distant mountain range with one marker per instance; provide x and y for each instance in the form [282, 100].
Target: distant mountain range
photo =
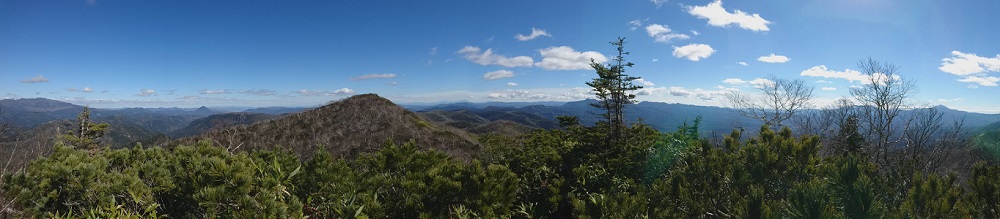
[159, 125]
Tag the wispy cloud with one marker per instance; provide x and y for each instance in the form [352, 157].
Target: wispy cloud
[511, 84]
[305, 92]
[372, 76]
[636, 24]
[699, 93]
[719, 17]
[516, 94]
[36, 79]
[758, 82]
[743, 63]
[773, 58]
[950, 100]
[988, 81]
[828, 88]
[342, 91]
[146, 93]
[973, 68]
[498, 74]
[693, 52]
[258, 92]
[847, 74]
[566, 58]
[205, 91]
[487, 57]
[535, 33]
[644, 82]
[87, 90]
[822, 71]
[338, 92]
[663, 33]
[658, 3]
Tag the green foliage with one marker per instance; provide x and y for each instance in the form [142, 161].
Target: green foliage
[567, 173]
[932, 197]
[87, 134]
[988, 144]
[667, 148]
[984, 197]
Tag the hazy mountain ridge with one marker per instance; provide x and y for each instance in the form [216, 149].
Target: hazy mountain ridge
[219, 121]
[130, 125]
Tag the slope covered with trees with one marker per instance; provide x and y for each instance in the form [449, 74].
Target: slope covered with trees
[346, 128]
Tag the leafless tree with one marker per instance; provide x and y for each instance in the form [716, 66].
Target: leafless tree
[881, 99]
[773, 102]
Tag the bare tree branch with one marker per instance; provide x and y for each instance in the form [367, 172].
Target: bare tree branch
[774, 102]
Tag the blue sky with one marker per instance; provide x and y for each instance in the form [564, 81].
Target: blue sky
[107, 53]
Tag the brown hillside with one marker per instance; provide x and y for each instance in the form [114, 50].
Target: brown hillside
[346, 128]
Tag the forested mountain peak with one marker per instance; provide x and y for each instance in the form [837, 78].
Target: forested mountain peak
[346, 128]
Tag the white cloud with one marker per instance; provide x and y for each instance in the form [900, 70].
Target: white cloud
[393, 83]
[824, 81]
[511, 84]
[373, 76]
[988, 81]
[146, 93]
[743, 63]
[36, 79]
[951, 100]
[968, 64]
[434, 51]
[305, 92]
[822, 71]
[972, 86]
[487, 57]
[498, 74]
[680, 92]
[695, 32]
[258, 92]
[214, 91]
[974, 68]
[656, 60]
[87, 90]
[658, 3]
[663, 34]
[566, 58]
[515, 94]
[693, 52]
[719, 17]
[828, 88]
[338, 92]
[635, 24]
[773, 59]
[650, 90]
[644, 82]
[578, 93]
[758, 82]
[342, 91]
[535, 33]
[702, 94]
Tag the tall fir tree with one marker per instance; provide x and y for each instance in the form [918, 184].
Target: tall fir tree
[613, 89]
[87, 134]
